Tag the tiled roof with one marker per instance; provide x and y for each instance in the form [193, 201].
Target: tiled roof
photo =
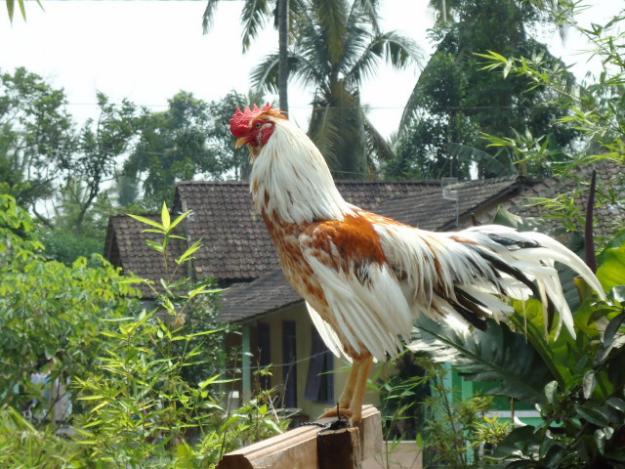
[237, 248]
[608, 217]
[434, 211]
[246, 300]
[235, 242]
[428, 210]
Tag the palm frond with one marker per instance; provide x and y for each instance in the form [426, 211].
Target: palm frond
[297, 17]
[496, 354]
[378, 149]
[207, 16]
[468, 153]
[253, 15]
[358, 36]
[332, 19]
[398, 50]
[443, 10]
[370, 10]
[392, 47]
[324, 131]
[414, 100]
[265, 75]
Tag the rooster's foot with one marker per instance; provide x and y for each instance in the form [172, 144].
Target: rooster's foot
[334, 412]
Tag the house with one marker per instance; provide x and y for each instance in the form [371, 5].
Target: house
[276, 330]
[237, 252]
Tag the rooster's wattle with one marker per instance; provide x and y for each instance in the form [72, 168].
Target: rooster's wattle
[365, 277]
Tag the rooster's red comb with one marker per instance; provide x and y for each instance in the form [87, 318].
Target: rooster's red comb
[241, 120]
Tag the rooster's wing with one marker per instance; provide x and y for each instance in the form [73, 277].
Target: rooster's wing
[378, 275]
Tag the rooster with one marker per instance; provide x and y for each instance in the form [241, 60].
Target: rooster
[365, 277]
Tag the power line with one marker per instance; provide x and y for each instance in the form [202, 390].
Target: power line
[308, 106]
[279, 365]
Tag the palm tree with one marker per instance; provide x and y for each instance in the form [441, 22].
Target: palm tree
[254, 13]
[338, 45]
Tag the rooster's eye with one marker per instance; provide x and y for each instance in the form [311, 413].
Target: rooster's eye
[258, 125]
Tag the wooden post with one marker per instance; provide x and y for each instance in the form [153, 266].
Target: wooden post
[339, 449]
[310, 447]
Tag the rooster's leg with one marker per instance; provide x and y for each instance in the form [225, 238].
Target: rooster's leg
[346, 396]
[364, 365]
[348, 391]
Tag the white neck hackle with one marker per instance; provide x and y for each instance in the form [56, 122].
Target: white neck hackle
[291, 179]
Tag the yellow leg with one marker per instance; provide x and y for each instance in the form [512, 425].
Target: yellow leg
[364, 368]
[348, 391]
[346, 396]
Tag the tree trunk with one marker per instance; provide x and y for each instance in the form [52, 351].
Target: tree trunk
[283, 65]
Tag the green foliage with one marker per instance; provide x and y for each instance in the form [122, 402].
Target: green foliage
[136, 403]
[402, 385]
[91, 378]
[99, 145]
[66, 247]
[35, 136]
[49, 311]
[583, 412]
[24, 445]
[454, 101]
[253, 16]
[49, 164]
[186, 140]
[485, 356]
[22, 7]
[594, 108]
[577, 384]
[458, 428]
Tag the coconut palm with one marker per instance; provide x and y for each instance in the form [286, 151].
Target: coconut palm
[283, 13]
[253, 15]
[338, 45]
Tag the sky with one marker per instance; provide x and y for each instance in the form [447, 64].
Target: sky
[147, 50]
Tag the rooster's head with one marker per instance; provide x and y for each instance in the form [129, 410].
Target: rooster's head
[254, 126]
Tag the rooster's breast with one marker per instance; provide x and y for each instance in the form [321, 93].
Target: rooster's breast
[296, 269]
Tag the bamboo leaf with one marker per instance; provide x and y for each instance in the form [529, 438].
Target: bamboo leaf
[179, 219]
[22, 9]
[147, 221]
[156, 246]
[187, 255]
[11, 9]
[165, 218]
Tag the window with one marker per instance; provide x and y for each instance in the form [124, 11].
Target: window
[289, 357]
[320, 380]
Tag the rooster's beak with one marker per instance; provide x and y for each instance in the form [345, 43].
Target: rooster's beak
[240, 142]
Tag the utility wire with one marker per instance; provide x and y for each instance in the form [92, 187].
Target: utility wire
[280, 365]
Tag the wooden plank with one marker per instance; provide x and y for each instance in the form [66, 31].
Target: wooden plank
[298, 448]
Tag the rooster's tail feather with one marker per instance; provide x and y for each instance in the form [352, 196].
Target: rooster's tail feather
[525, 259]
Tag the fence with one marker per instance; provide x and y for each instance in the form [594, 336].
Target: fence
[312, 447]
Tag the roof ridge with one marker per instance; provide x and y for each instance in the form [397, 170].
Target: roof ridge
[421, 182]
[212, 183]
[140, 214]
[482, 181]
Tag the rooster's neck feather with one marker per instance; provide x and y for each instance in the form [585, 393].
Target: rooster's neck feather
[291, 180]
